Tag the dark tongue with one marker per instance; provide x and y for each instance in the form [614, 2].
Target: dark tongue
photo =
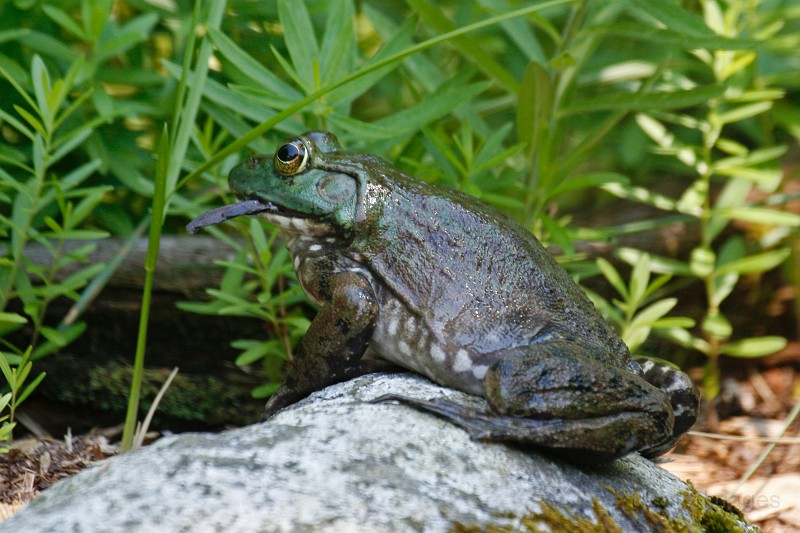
[226, 212]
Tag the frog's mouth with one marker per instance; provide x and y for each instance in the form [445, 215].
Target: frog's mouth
[227, 212]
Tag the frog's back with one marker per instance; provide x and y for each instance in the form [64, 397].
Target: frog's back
[475, 278]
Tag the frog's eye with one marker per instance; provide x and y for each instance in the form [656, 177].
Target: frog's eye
[291, 158]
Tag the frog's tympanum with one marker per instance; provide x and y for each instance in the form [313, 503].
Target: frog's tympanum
[432, 280]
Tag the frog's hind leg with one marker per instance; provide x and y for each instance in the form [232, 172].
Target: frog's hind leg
[682, 395]
[557, 434]
[550, 395]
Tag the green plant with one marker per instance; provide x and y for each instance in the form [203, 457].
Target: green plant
[727, 147]
[629, 314]
[45, 208]
[262, 288]
[15, 376]
[7, 426]
[546, 104]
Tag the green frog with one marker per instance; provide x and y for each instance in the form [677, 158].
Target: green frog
[410, 274]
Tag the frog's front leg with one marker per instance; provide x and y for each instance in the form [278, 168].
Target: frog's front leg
[332, 348]
[554, 396]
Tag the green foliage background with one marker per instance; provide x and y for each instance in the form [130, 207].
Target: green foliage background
[541, 108]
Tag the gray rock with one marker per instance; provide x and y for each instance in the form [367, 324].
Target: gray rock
[336, 462]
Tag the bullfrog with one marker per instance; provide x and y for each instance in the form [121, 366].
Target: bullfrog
[411, 274]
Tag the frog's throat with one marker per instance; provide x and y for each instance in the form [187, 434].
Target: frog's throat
[227, 212]
[297, 225]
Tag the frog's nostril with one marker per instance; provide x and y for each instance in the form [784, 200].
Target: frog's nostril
[256, 160]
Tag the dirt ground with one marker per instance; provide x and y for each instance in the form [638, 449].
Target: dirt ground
[770, 497]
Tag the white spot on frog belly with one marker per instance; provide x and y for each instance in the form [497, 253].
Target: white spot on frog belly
[315, 248]
[404, 348]
[479, 371]
[437, 353]
[462, 361]
[410, 325]
[393, 323]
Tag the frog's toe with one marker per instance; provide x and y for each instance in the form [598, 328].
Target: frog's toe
[478, 424]
[683, 397]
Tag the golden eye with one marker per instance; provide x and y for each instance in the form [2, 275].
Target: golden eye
[291, 158]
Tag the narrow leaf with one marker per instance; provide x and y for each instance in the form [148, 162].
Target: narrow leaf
[535, 102]
[760, 215]
[65, 21]
[613, 277]
[300, 39]
[12, 318]
[653, 312]
[675, 38]
[754, 263]
[262, 77]
[645, 102]
[675, 17]
[472, 49]
[754, 347]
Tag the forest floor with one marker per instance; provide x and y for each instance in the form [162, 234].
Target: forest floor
[770, 498]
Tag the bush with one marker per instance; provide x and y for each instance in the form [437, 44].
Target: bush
[533, 109]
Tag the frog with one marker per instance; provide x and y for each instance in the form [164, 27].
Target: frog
[414, 275]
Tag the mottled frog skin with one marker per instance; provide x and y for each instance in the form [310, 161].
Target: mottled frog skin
[434, 281]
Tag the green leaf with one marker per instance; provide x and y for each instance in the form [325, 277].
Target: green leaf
[49, 46]
[674, 38]
[67, 335]
[20, 127]
[683, 338]
[447, 98]
[613, 277]
[125, 38]
[639, 194]
[4, 401]
[754, 347]
[301, 41]
[472, 49]
[12, 318]
[70, 142]
[90, 199]
[653, 312]
[30, 388]
[262, 77]
[54, 336]
[41, 88]
[755, 263]
[673, 322]
[716, 326]
[12, 35]
[33, 121]
[396, 42]
[659, 264]
[587, 181]
[734, 193]
[252, 351]
[640, 276]
[743, 112]
[644, 101]
[338, 43]
[8, 373]
[673, 16]
[534, 104]
[65, 21]
[767, 179]
[520, 31]
[760, 215]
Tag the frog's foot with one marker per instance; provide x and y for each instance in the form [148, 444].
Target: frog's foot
[682, 395]
[562, 437]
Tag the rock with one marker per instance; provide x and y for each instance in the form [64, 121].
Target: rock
[336, 462]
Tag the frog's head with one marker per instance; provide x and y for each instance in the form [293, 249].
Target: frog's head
[309, 186]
